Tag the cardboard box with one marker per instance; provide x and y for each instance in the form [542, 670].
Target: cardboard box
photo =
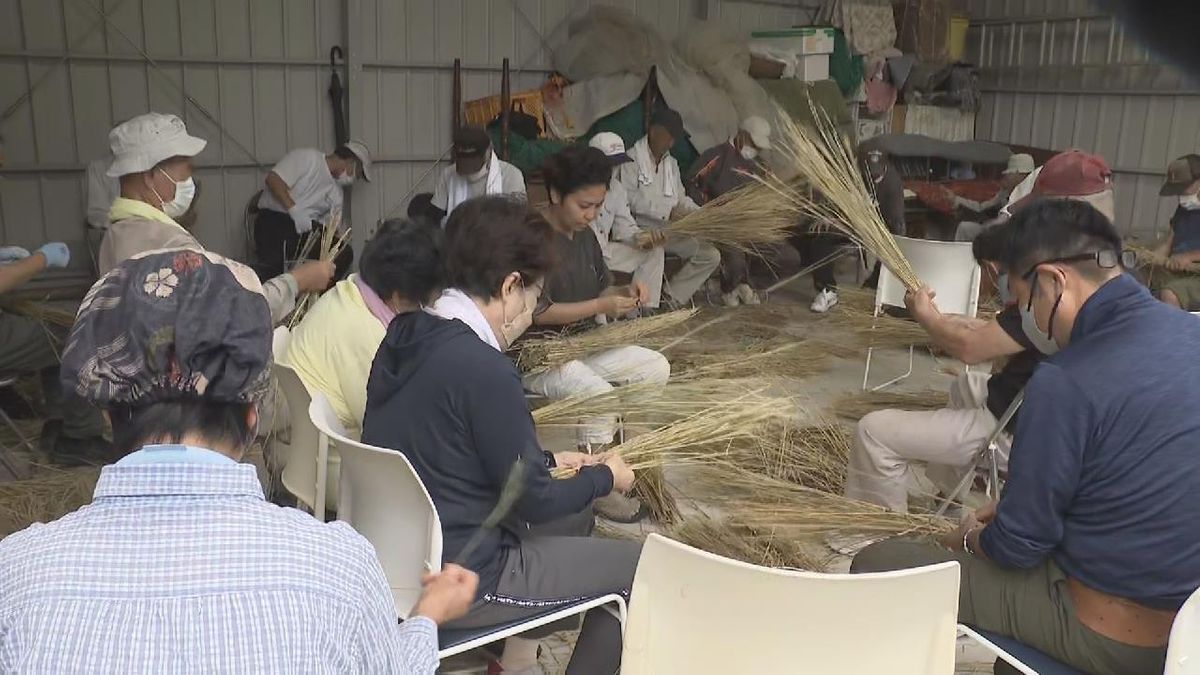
[810, 40]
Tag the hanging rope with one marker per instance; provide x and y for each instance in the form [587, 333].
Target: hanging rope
[188, 97]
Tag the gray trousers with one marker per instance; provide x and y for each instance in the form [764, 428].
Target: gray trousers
[735, 268]
[27, 347]
[1032, 606]
[547, 570]
[700, 260]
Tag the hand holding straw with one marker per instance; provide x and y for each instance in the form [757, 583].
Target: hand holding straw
[514, 485]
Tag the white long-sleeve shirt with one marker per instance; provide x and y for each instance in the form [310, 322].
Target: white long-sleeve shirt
[615, 222]
[648, 201]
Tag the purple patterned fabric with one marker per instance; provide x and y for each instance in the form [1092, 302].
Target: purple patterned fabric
[167, 325]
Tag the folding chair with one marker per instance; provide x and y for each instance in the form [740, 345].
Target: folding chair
[1183, 648]
[947, 267]
[988, 456]
[383, 499]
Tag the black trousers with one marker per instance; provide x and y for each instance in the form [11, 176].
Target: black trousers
[276, 242]
[814, 247]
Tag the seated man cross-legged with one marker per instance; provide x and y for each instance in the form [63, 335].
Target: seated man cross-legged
[1094, 544]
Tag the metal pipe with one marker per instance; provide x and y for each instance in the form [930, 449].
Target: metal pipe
[1087, 91]
[505, 108]
[456, 97]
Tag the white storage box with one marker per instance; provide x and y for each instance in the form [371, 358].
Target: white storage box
[811, 40]
[812, 67]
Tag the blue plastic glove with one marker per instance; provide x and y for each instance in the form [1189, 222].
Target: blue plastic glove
[56, 253]
[12, 253]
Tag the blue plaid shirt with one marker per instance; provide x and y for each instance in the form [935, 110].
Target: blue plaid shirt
[185, 568]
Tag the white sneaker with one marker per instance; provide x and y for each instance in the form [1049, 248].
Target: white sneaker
[824, 301]
[746, 294]
[731, 299]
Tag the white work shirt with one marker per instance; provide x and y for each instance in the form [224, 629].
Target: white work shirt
[511, 183]
[1020, 192]
[648, 202]
[615, 222]
[102, 191]
[309, 182]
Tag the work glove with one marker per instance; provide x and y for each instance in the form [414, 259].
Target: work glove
[12, 253]
[56, 253]
[301, 218]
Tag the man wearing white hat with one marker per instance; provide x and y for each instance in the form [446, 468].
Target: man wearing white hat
[1015, 184]
[718, 170]
[305, 186]
[152, 156]
[626, 246]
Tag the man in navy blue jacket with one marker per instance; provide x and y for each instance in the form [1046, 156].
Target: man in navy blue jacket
[1095, 542]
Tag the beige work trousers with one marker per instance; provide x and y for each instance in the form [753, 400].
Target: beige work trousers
[646, 266]
[888, 442]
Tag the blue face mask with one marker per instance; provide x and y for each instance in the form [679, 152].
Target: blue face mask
[1043, 341]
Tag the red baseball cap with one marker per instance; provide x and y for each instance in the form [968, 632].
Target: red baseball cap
[1071, 173]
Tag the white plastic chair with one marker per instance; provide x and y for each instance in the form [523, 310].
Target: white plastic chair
[1183, 649]
[306, 465]
[382, 498]
[697, 613]
[948, 267]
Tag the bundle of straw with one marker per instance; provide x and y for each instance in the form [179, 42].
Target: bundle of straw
[652, 490]
[1148, 258]
[648, 404]
[745, 544]
[39, 311]
[868, 330]
[856, 405]
[741, 219]
[44, 498]
[328, 243]
[545, 353]
[791, 510]
[791, 359]
[836, 194]
[814, 456]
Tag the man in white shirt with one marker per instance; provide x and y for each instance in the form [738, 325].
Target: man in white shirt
[627, 247]
[477, 171]
[301, 191]
[656, 196]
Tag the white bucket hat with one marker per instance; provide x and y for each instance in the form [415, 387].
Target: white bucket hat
[142, 142]
[364, 157]
[759, 130]
[1019, 163]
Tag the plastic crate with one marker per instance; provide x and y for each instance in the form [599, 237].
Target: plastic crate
[482, 111]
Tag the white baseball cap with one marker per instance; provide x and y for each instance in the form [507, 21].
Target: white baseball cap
[364, 156]
[141, 143]
[759, 130]
[611, 145]
[1019, 163]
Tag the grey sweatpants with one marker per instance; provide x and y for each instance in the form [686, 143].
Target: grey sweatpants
[545, 571]
[1032, 606]
[27, 347]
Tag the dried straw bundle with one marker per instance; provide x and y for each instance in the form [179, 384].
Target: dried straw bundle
[652, 490]
[44, 498]
[741, 219]
[836, 195]
[328, 243]
[791, 359]
[39, 311]
[647, 404]
[856, 405]
[814, 456]
[868, 330]
[791, 510]
[544, 353]
[1152, 260]
[745, 544]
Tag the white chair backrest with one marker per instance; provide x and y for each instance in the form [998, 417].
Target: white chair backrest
[1183, 650]
[948, 267]
[300, 467]
[697, 613]
[280, 339]
[383, 499]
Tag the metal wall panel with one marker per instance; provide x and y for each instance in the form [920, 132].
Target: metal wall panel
[258, 66]
[1062, 74]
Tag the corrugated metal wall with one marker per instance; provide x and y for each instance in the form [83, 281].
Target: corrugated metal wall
[259, 67]
[1061, 74]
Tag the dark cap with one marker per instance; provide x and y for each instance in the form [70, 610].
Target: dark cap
[671, 121]
[1180, 175]
[471, 142]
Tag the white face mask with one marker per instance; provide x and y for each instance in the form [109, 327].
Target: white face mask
[185, 192]
[478, 175]
[345, 180]
[749, 153]
[1043, 341]
[1189, 202]
[513, 328]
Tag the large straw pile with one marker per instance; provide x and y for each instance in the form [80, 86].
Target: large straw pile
[867, 330]
[836, 194]
[545, 353]
[856, 405]
[741, 219]
[44, 498]
[745, 544]
[39, 311]
[766, 359]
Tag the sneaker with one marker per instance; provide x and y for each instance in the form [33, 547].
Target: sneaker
[731, 299]
[620, 508]
[824, 301]
[747, 295]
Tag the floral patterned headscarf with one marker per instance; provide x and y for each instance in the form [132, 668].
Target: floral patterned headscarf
[171, 325]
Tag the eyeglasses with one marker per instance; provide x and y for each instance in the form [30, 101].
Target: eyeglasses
[1105, 259]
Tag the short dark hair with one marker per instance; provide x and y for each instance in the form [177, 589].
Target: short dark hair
[488, 238]
[1049, 229]
[346, 153]
[170, 421]
[404, 256]
[991, 245]
[575, 167]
